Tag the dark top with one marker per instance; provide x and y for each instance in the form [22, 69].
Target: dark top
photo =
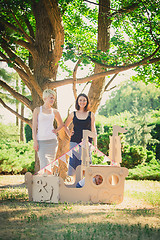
[79, 126]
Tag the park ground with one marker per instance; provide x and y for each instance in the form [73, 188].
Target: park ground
[137, 217]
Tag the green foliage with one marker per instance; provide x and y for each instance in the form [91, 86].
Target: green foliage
[28, 133]
[103, 142]
[9, 132]
[139, 130]
[148, 171]
[97, 160]
[124, 98]
[155, 132]
[80, 25]
[136, 107]
[5, 75]
[16, 157]
[148, 73]
[135, 155]
[10, 78]
[131, 155]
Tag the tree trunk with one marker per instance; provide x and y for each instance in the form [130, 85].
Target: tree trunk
[63, 147]
[22, 124]
[97, 86]
[17, 104]
[22, 114]
[48, 47]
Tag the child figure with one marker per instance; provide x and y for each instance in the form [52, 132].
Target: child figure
[97, 179]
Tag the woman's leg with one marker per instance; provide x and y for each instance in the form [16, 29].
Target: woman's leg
[75, 160]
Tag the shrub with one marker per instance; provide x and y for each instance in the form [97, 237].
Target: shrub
[99, 128]
[103, 143]
[28, 133]
[16, 157]
[132, 156]
[135, 155]
[156, 135]
[9, 132]
[97, 160]
[147, 171]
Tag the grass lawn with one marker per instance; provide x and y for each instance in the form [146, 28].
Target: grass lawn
[137, 217]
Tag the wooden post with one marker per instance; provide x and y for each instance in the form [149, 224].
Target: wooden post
[85, 150]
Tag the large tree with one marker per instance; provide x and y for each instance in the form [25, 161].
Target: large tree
[113, 36]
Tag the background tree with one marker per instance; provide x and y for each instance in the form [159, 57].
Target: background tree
[14, 81]
[139, 131]
[123, 98]
[35, 33]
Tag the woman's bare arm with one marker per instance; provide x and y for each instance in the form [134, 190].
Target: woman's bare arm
[59, 121]
[34, 128]
[93, 129]
[68, 121]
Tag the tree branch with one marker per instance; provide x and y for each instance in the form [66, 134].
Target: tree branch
[116, 67]
[24, 44]
[99, 75]
[74, 78]
[29, 47]
[17, 69]
[128, 9]
[17, 59]
[16, 114]
[151, 32]
[11, 26]
[107, 90]
[101, 64]
[28, 72]
[122, 10]
[28, 38]
[110, 81]
[31, 31]
[16, 95]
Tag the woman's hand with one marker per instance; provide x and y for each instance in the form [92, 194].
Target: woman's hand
[55, 131]
[71, 133]
[36, 146]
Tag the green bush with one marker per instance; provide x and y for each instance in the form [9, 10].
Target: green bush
[16, 157]
[103, 142]
[99, 128]
[156, 135]
[132, 156]
[28, 133]
[147, 171]
[135, 155]
[9, 132]
[97, 160]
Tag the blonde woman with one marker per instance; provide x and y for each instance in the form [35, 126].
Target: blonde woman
[44, 134]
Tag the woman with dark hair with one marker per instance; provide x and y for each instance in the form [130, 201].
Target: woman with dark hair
[82, 119]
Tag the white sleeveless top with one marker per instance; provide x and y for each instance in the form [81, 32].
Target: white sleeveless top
[45, 126]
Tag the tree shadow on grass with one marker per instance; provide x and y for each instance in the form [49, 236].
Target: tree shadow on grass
[48, 228]
[22, 185]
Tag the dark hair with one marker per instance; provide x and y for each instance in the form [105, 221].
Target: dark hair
[87, 105]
